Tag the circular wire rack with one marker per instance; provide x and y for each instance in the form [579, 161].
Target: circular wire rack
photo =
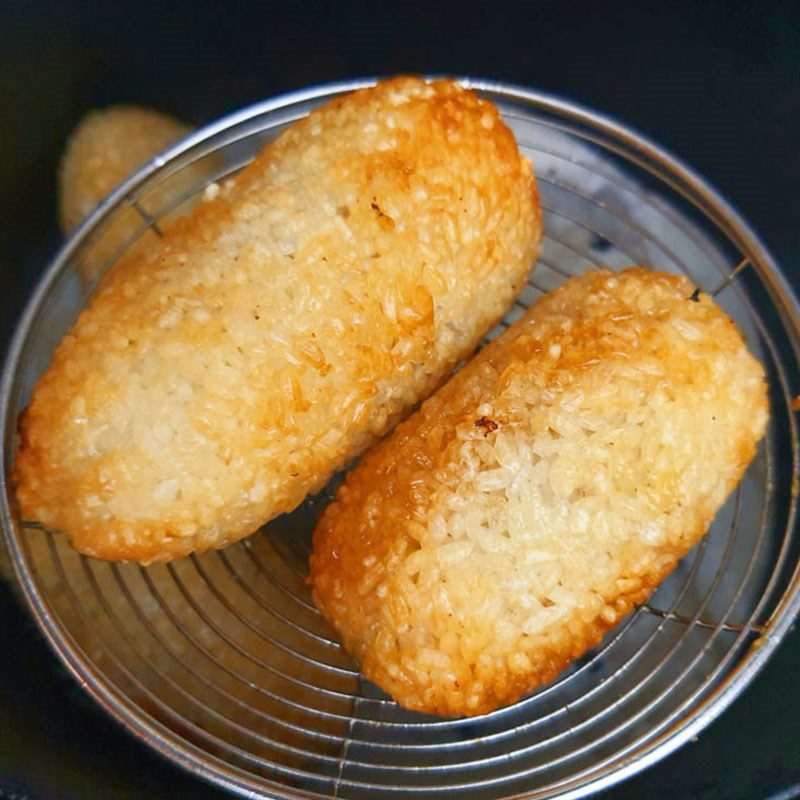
[221, 662]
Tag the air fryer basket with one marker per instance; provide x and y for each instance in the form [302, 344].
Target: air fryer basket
[221, 662]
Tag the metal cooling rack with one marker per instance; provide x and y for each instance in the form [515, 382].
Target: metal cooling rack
[221, 662]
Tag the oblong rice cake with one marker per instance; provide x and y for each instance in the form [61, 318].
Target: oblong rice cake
[541, 493]
[105, 148]
[270, 336]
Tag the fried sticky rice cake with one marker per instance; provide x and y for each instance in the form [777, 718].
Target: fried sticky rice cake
[541, 493]
[223, 374]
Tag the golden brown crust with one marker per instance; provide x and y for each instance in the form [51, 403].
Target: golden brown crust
[222, 375]
[541, 493]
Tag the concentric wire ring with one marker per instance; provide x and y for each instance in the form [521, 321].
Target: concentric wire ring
[221, 662]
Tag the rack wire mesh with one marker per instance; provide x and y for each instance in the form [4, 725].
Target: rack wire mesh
[221, 662]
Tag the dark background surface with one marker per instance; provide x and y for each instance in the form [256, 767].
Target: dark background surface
[716, 83]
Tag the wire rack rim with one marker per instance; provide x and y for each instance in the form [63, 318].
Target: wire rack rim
[210, 767]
